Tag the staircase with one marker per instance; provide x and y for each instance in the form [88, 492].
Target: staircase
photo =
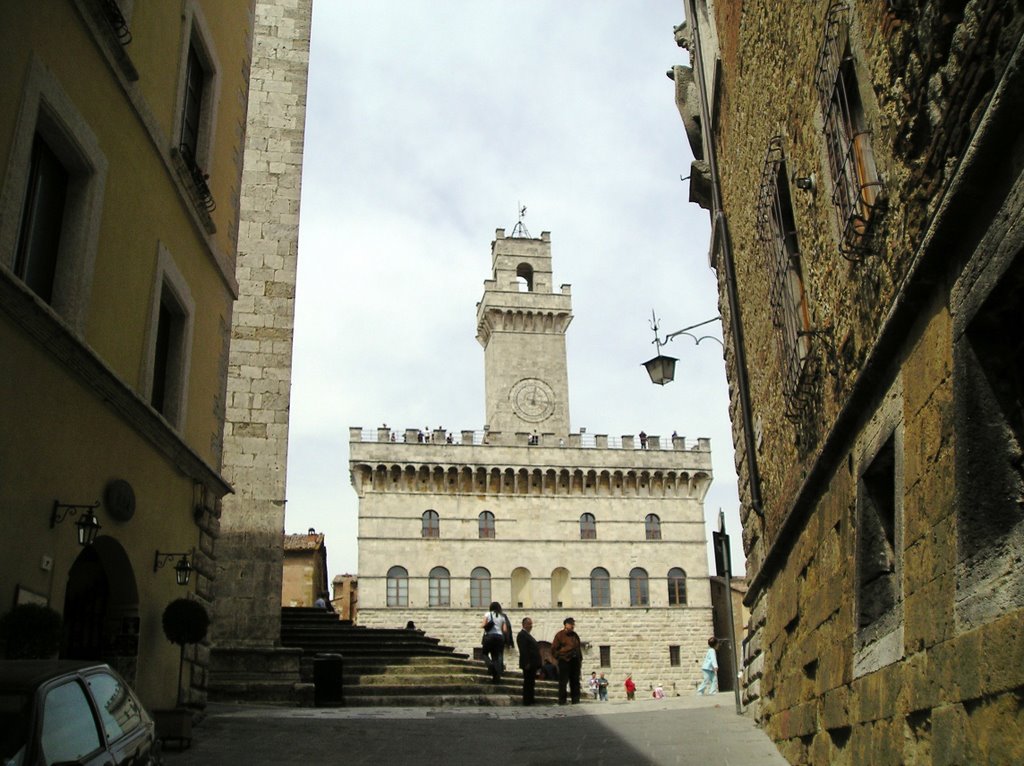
[397, 667]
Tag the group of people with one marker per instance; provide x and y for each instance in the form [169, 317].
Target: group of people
[598, 687]
[568, 653]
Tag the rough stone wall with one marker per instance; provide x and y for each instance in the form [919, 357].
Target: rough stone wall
[639, 639]
[249, 550]
[941, 88]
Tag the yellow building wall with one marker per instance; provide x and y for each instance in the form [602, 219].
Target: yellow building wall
[61, 437]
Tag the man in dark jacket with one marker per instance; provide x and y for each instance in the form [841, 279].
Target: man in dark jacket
[529, 659]
[566, 648]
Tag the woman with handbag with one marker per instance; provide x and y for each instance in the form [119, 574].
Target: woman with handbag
[496, 632]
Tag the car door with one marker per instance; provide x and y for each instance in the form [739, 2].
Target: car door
[129, 739]
[70, 731]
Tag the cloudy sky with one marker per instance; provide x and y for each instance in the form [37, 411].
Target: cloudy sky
[428, 124]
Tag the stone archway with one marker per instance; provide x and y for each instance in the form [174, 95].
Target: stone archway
[101, 608]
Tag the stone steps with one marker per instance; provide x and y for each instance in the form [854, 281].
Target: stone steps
[398, 667]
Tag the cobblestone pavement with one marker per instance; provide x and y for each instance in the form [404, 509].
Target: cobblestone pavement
[680, 730]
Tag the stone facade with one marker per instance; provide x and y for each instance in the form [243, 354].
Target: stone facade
[867, 210]
[304, 578]
[448, 523]
[249, 551]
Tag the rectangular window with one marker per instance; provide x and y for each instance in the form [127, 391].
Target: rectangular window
[192, 105]
[878, 587]
[673, 656]
[857, 188]
[989, 436]
[169, 354]
[606, 657]
[790, 314]
[878, 526]
[35, 261]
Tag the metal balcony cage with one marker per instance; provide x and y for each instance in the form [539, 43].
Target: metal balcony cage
[858, 192]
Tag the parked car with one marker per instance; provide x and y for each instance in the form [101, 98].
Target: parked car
[66, 712]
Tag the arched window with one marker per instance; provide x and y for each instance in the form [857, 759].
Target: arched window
[480, 588]
[524, 277]
[487, 525]
[676, 587]
[440, 587]
[588, 527]
[600, 587]
[398, 586]
[431, 524]
[638, 592]
[652, 526]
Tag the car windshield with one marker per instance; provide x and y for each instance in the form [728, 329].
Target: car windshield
[13, 728]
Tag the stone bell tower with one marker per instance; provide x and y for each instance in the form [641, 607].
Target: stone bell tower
[521, 324]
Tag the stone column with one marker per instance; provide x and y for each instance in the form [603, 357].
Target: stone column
[249, 550]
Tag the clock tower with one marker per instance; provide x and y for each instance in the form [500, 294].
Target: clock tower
[521, 324]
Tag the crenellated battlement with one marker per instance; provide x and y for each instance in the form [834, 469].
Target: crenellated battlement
[579, 440]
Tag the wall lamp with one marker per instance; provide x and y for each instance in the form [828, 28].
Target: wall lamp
[805, 183]
[88, 525]
[182, 570]
[661, 368]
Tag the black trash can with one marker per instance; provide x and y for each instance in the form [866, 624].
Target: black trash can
[328, 683]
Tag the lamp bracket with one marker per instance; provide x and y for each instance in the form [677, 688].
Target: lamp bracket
[160, 559]
[62, 510]
[659, 342]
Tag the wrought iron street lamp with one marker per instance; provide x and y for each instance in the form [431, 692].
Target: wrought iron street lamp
[661, 368]
[88, 525]
[182, 570]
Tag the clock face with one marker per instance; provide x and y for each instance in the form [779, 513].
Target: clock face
[532, 399]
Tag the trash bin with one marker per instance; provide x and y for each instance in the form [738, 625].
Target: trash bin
[328, 684]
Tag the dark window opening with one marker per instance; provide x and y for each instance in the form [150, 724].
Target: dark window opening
[480, 588]
[876, 549]
[676, 587]
[857, 188]
[486, 525]
[439, 586]
[600, 588]
[431, 524]
[398, 586]
[991, 425]
[192, 105]
[652, 527]
[786, 293]
[639, 595]
[35, 260]
[168, 356]
[606, 657]
[588, 527]
[524, 272]
[673, 656]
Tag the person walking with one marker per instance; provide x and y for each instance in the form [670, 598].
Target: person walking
[496, 628]
[630, 687]
[602, 688]
[529, 659]
[592, 684]
[710, 669]
[566, 648]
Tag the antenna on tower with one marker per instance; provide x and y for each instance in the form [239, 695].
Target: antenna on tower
[519, 230]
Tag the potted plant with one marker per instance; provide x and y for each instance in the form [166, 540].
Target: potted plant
[184, 622]
[30, 632]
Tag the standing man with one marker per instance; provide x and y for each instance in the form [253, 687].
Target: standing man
[529, 659]
[566, 648]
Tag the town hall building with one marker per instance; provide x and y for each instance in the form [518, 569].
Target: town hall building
[548, 522]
